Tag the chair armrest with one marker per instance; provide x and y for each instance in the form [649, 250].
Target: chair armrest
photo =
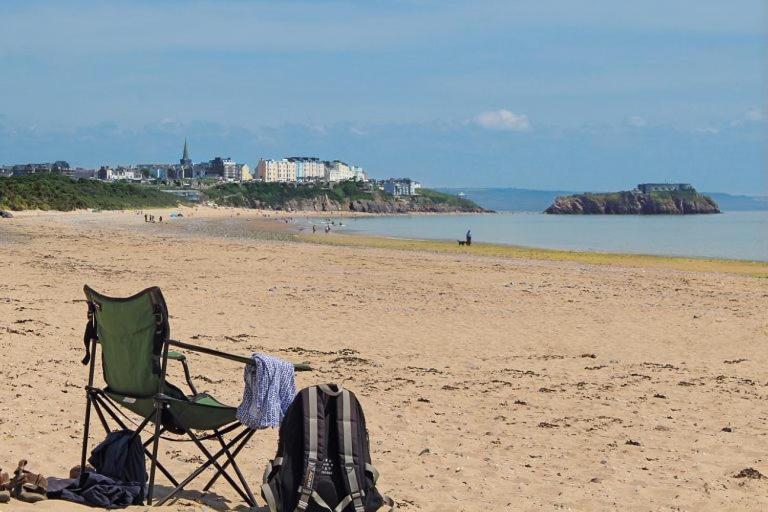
[299, 367]
[176, 356]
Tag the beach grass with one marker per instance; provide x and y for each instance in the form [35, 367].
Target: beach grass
[739, 267]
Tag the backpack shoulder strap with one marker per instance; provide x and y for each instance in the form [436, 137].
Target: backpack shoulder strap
[314, 433]
[347, 450]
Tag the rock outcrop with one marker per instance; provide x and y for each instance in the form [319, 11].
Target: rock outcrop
[344, 196]
[415, 204]
[634, 203]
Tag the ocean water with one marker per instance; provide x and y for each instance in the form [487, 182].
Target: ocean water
[732, 235]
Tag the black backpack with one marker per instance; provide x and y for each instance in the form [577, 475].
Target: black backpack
[323, 461]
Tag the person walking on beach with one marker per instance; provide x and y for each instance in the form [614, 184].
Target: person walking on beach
[314, 230]
[469, 237]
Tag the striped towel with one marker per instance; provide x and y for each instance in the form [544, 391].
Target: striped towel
[269, 390]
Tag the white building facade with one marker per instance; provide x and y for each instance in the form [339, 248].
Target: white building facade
[402, 187]
[308, 168]
[338, 171]
[276, 170]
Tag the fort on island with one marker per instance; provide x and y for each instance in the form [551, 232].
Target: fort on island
[646, 199]
[647, 188]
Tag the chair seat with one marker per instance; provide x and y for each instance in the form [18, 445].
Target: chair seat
[197, 412]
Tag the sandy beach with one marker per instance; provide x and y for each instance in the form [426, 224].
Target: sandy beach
[489, 382]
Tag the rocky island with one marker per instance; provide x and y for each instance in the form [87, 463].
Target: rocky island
[646, 199]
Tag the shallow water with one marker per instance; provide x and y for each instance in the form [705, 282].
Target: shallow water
[733, 235]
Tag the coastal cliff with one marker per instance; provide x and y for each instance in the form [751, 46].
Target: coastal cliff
[415, 204]
[345, 196]
[635, 202]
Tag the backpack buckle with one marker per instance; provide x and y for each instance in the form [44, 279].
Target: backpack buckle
[305, 494]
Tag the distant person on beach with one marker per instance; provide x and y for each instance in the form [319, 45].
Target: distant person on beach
[161, 218]
[145, 218]
[327, 229]
[469, 237]
[314, 230]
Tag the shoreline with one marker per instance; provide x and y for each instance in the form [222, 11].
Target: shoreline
[271, 222]
[694, 264]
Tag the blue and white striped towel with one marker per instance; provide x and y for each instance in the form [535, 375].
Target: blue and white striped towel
[269, 390]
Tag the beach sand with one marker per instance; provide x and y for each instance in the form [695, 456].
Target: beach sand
[489, 383]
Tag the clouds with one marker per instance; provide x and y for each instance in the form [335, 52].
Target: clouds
[503, 119]
[233, 61]
[754, 115]
[751, 116]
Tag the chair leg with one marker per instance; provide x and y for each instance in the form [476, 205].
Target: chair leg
[117, 419]
[101, 416]
[230, 458]
[84, 454]
[151, 439]
[88, 398]
[248, 497]
[155, 443]
[211, 460]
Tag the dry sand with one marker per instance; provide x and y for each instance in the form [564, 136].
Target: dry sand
[488, 384]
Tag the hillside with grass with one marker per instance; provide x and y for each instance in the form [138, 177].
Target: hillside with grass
[47, 191]
[634, 202]
[344, 196]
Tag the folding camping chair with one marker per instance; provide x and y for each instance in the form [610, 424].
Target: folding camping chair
[134, 336]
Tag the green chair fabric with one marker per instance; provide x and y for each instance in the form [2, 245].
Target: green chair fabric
[198, 412]
[126, 329]
[126, 333]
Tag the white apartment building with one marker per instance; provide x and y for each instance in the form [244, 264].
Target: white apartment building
[276, 170]
[338, 171]
[359, 173]
[121, 173]
[401, 187]
[304, 168]
[308, 168]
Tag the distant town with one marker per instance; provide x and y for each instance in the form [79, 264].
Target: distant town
[186, 176]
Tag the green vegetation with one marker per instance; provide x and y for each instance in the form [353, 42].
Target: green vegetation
[442, 198]
[256, 194]
[253, 194]
[47, 191]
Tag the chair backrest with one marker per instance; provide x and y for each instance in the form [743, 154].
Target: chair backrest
[131, 332]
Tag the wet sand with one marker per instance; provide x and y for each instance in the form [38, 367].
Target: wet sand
[489, 383]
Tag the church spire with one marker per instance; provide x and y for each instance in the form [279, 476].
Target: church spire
[185, 160]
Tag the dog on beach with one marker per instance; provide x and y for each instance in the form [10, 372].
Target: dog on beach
[462, 242]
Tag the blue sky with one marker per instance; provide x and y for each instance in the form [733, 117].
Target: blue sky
[581, 95]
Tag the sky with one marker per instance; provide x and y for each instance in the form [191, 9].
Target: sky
[585, 95]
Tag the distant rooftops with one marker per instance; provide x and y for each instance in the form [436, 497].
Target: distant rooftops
[302, 159]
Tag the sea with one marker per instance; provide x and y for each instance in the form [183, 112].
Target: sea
[741, 235]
